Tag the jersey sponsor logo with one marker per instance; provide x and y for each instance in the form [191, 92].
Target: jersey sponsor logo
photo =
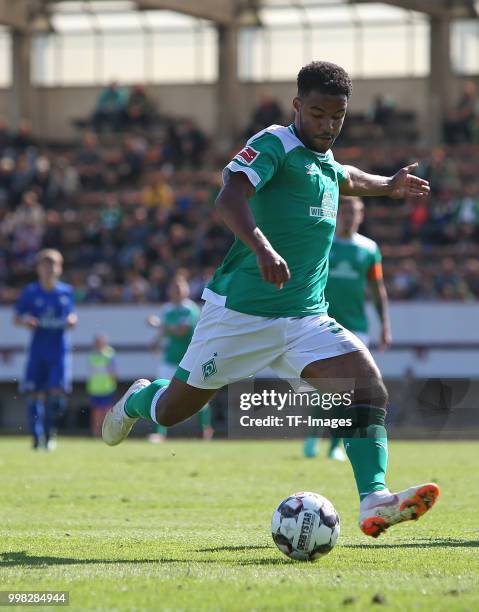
[209, 367]
[328, 204]
[328, 208]
[51, 322]
[248, 155]
[321, 212]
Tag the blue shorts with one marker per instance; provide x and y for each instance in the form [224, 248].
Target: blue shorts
[102, 401]
[45, 374]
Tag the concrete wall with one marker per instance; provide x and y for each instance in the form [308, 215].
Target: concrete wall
[411, 374]
[54, 107]
[416, 326]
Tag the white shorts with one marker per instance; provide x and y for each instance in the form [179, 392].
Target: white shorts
[228, 346]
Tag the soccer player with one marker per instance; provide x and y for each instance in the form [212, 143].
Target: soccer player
[46, 308]
[175, 327]
[265, 304]
[101, 382]
[354, 264]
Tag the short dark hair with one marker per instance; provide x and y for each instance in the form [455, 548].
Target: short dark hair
[326, 77]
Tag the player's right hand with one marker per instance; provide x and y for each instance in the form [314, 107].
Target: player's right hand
[31, 322]
[155, 346]
[272, 266]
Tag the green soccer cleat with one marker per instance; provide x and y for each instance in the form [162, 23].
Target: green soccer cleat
[116, 424]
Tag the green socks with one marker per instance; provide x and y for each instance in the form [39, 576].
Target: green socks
[140, 403]
[204, 419]
[369, 460]
[366, 445]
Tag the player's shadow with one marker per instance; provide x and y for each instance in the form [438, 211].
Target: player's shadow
[436, 543]
[246, 548]
[23, 559]
[214, 549]
[264, 561]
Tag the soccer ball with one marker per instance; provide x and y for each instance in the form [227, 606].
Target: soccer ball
[305, 526]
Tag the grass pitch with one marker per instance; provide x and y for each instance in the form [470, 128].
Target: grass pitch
[185, 526]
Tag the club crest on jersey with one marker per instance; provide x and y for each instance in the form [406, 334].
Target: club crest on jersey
[247, 155]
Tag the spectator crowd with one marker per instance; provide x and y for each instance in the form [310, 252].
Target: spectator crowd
[129, 214]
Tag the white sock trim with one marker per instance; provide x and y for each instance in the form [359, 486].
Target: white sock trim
[156, 397]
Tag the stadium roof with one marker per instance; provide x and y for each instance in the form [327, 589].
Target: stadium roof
[249, 12]
[453, 8]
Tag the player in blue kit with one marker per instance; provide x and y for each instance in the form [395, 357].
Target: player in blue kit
[46, 307]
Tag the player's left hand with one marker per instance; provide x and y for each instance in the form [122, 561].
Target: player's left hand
[71, 320]
[404, 184]
[385, 340]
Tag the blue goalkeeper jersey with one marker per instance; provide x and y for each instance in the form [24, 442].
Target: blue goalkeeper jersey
[51, 308]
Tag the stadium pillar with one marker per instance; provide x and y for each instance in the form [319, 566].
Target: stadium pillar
[440, 79]
[22, 90]
[227, 94]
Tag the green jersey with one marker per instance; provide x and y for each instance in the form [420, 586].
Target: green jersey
[295, 205]
[351, 264]
[186, 313]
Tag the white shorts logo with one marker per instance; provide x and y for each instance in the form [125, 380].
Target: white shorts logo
[209, 368]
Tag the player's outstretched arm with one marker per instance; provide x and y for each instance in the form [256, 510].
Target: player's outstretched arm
[401, 185]
[232, 205]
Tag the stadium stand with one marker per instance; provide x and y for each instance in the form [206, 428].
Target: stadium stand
[128, 210]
